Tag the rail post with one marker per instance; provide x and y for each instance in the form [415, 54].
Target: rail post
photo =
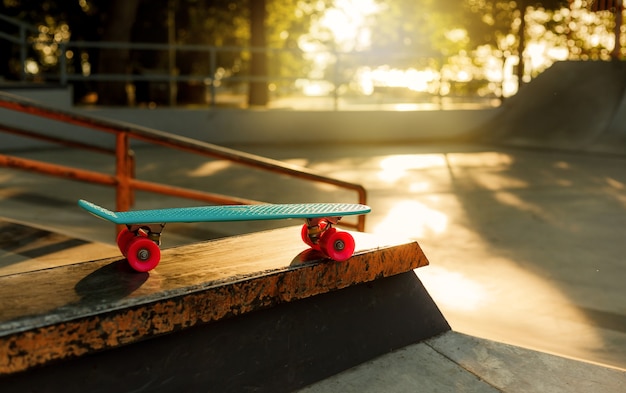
[23, 49]
[63, 64]
[212, 71]
[123, 171]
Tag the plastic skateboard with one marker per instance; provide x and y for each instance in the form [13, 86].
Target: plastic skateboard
[139, 241]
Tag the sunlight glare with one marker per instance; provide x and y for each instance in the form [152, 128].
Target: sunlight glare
[405, 107]
[301, 162]
[418, 187]
[412, 219]
[395, 167]
[314, 88]
[345, 23]
[536, 51]
[457, 35]
[512, 200]
[384, 76]
[31, 67]
[618, 185]
[454, 290]
[482, 159]
[210, 168]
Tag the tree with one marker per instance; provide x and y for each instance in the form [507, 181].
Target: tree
[275, 24]
[117, 27]
[414, 26]
[220, 23]
[524, 5]
[616, 7]
[53, 17]
[491, 21]
[258, 94]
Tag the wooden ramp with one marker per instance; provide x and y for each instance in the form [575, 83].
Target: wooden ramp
[253, 312]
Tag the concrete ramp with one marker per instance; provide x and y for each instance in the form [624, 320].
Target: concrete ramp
[614, 137]
[574, 105]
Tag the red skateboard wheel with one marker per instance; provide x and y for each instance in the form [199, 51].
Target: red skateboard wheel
[123, 240]
[338, 246]
[143, 254]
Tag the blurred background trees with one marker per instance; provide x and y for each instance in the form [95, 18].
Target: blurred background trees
[483, 46]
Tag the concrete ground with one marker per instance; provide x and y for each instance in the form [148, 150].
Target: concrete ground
[454, 362]
[526, 247]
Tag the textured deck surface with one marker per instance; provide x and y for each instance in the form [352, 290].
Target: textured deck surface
[227, 213]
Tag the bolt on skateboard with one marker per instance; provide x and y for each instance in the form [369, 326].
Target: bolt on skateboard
[139, 242]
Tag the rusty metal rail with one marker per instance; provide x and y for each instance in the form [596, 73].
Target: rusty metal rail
[124, 180]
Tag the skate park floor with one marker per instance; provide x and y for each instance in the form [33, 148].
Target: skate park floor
[526, 247]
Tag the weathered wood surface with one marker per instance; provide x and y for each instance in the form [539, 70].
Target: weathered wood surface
[25, 248]
[77, 309]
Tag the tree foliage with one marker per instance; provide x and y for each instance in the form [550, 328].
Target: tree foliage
[416, 29]
[220, 23]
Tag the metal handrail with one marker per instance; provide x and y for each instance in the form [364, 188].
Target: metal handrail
[124, 180]
[340, 74]
[23, 28]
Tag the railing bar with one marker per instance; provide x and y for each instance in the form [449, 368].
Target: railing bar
[18, 22]
[360, 226]
[56, 170]
[175, 141]
[263, 163]
[51, 139]
[248, 159]
[109, 180]
[103, 179]
[177, 78]
[180, 142]
[10, 38]
[218, 199]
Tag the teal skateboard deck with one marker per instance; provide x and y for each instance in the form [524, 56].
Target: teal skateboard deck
[139, 241]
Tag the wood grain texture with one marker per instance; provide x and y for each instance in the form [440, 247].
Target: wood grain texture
[73, 310]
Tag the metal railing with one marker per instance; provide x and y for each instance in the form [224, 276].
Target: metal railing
[22, 39]
[123, 179]
[213, 72]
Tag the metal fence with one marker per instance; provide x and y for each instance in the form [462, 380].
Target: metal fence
[181, 74]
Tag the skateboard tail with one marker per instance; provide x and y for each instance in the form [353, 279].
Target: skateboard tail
[99, 211]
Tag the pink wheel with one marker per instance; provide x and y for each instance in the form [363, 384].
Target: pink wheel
[338, 246]
[305, 236]
[143, 254]
[123, 240]
[307, 239]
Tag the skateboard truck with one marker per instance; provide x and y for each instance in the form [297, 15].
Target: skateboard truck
[315, 227]
[151, 231]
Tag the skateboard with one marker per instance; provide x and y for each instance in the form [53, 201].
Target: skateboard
[139, 242]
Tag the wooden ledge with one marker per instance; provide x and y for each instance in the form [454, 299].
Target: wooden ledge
[74, 310]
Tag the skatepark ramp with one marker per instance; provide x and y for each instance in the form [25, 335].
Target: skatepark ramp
[216, 316]
[574, 105]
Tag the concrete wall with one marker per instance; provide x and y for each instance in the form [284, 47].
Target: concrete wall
[235, 126]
